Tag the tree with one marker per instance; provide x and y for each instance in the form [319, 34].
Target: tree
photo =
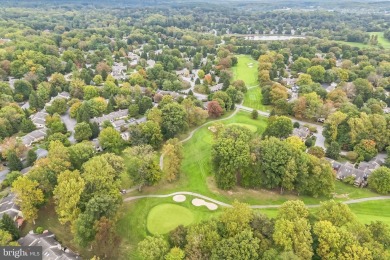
[214, 109]
[82, 131]
[10, 178]
[304, 79]
[90, 92]
[329, 240]
[333, 151]
[301, 65]
[153, 248]
[98, 79]
[67, 195]
[279, 126]
[236, 219]
[230, 155]
[143, 169]
[177, 237]
[110, 140]
[14, 163]
[255, 114]
[173, 152]
[105, 239]
[379, 180]
[8, 224]
[5, 238]
[174, 120]
[58, 106]
[292, 229]
[29, 197]
[243, 245]
[317, 151]
[366, 149]
[317, 73]
[27, 125]
[337, 213]
[31, 157]
[154, 115]
[80, 153]
[23, 88]
[175, 254]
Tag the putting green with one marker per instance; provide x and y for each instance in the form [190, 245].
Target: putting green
[252, 128]
[166, 217]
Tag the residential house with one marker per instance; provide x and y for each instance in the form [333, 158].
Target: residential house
[39, 119]
[63, 94]
[118, 70]
[120, 114]
[302, 132]
[216, 88]
[8, 206]
[51, 248]
[34, 136]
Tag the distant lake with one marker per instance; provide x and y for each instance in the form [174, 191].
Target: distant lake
[272, 37]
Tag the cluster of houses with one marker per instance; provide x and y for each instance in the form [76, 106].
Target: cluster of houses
[51, 248]
[360, 172]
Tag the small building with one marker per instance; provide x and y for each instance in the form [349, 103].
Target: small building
[118, 123]
[34, 136]
[51, 248]
[302, 132]
[96, 145]
[9, 207]
[216, 88]
[116, 115]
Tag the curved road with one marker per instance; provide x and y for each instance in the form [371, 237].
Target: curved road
[220, 203]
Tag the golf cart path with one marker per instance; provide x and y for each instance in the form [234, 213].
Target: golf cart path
[353, 201]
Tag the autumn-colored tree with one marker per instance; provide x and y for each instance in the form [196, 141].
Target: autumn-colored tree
[173, 153]
[214, 109]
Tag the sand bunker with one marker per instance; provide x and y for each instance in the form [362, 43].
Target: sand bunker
[200, 202]
[179, 198]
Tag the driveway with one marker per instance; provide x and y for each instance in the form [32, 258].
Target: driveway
[3, 173]
[70, 124]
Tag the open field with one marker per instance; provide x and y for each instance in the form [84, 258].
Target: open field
[252, 99]
[381, 40]
[246, 70]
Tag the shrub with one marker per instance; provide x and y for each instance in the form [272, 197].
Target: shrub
[39, 230]
[296, 125]
[352, 156]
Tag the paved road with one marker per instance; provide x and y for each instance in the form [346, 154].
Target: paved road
[353, 201]
[3, 173]
[70, 123]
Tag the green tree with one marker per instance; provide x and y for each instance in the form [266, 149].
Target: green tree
[5, 238]
[337, 213]
[29, 197]
[110, 140]
[174, 120]
[8, 224]
[230, 155]
[317, 73]
[82, 131]
[80, 153]
[279, 126]
[241, 246]
[254, 114]
[236, 219]
[153, 248]
[333, 151]
[31, 157]
[175, 254]
[173, 152]
[379, 180]
[142, 168]
[58, 106]
[14, 163]
[366, 149]
[67, 195]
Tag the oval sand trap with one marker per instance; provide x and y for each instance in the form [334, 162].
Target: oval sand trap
[166, 217]
[199, 202]
[179, 198]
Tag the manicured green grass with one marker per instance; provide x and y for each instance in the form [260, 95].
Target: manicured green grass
[382, 40]
[372, 211]
[246, 70]
[252, 99]
[346, 191]
[166, 217]
[132, 224]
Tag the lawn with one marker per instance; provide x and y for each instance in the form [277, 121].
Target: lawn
[252, 99]
[132, 224]
[246, 70]
[382, 40]
[372, 211]
[166, 217]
